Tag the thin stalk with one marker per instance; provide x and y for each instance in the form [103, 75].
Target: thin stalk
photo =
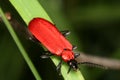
[20, 47]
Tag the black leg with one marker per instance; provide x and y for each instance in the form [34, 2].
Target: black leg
[46, 55]
[65, 32]
[74, 47]
[76, 55]
[69, 70]
[59, 67]
[32, 38]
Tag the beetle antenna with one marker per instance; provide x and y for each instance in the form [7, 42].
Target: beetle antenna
[93, 65]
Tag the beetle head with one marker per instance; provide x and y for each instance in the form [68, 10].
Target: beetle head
[73, 64]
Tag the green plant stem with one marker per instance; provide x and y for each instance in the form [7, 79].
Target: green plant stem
[19, 45]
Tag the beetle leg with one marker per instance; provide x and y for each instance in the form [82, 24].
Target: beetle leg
[33, 39]
[59, 67]
[65, 32]
[74, 47]
[76, 55]
[46, 55]
[69, 70]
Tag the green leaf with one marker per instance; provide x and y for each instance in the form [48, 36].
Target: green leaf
[29, 9]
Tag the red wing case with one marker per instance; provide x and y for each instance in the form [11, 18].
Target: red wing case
[49, 36]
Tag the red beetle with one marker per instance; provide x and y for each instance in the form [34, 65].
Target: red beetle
[54, 40]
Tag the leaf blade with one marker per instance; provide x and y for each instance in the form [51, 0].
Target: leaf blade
[34, 9]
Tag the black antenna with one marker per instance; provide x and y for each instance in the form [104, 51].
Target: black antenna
[93, 65]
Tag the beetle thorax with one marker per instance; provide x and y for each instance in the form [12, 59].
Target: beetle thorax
[67, 55]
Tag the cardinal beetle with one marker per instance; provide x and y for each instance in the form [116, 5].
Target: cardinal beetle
[54, 40]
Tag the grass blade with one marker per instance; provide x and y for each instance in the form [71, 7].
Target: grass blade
[29, 9]
[20, 47]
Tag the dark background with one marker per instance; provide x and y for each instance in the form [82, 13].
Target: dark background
[95, 24]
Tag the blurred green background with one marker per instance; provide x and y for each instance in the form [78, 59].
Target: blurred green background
[95, 29]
